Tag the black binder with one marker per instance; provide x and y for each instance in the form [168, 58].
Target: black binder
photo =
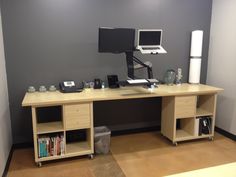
[204, 125]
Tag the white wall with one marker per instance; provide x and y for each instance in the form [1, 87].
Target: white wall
[222, 61]
[5, 124]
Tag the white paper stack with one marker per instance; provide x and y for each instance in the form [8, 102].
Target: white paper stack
[196, 127]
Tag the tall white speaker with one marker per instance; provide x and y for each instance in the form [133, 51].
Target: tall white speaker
[195, 57]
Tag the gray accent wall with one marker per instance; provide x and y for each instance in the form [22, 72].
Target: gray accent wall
[47, 41]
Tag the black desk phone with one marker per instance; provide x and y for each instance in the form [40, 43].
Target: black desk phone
[68, 87]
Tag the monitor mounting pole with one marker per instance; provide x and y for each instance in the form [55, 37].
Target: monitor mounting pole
[130, 64]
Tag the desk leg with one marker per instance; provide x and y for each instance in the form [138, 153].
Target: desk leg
[34, 123]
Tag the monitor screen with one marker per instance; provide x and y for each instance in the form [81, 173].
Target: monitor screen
[116, 40]
[149, 37]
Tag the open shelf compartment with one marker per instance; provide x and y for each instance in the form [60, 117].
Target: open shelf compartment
[184, 129]
[49, 114]
[78, 142]
[49, 127]
[205, 105]
[49, 119]
[198, 130]
[78, 147]
[51, 145]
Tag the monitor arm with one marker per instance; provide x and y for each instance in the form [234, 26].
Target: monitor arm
[130, 64]
[130, 59]
[149, 68]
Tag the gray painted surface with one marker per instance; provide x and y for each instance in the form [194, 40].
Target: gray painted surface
[5, 122]
[48, 41]
[221, 64]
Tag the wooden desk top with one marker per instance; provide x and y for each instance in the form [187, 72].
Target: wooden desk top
[58, 98]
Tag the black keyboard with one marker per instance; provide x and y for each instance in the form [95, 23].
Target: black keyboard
[150, 48]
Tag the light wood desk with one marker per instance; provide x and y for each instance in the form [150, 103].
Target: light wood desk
[181, 104]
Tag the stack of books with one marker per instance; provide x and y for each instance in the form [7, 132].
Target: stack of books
[51, 146]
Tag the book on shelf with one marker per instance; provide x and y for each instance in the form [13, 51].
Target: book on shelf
[51, 146]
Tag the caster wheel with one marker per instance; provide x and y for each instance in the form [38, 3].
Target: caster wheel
[91, 156]
[175, 143]
[39, 164]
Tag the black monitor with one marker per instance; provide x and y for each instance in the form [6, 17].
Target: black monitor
[116, 40]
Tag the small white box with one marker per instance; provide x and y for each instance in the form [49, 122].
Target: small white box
[196, 126]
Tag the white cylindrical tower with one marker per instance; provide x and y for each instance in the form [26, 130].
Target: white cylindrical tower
[195, 57]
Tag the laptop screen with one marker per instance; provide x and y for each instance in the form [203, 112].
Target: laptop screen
[149, 37]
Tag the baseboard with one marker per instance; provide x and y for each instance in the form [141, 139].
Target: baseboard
[23, 145]
[8, 162]
[225, 133]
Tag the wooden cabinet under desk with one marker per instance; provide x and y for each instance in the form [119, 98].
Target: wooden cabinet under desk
[181, 106]
[180, 116]
[77, 117]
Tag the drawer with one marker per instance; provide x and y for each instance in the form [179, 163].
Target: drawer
[77, 116]
[185, 106]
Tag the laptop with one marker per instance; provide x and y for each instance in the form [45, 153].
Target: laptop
[149, 41]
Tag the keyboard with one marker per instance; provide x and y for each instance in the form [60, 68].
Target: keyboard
[150, 48]
[137, 81]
